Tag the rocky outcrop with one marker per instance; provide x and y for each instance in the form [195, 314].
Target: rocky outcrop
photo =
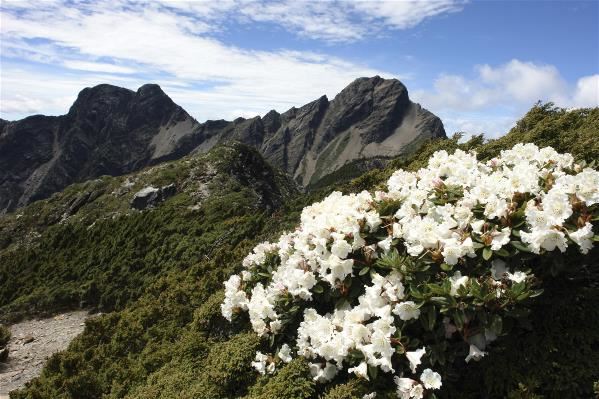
[112, 131]
[149, 197]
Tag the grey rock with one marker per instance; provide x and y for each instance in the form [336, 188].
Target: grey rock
[80, 200]
[151, 196]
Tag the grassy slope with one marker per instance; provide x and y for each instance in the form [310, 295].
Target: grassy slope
[167, 339]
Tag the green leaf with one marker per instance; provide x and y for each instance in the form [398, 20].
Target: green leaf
[318, 289]
[428, 317]
[536, 293]
[519, 224]
[445, 267]
[391, 260]
[518, 288]
[503, 252]
[341, 302]
[435, 289]
[373, 371]
[520, 246]
[414, 292]
[523, 296]
[441, 300]
[487, 253]
[364, 271]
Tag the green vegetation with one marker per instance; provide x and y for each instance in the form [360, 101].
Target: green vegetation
[4, 335]
[158, 273]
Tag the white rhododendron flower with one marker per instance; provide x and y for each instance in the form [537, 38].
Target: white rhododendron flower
[234, 297]
[446, 250]
[360, 370]
[500, 238]
[408, 388]
[262, 364]
[430, 379]
[323, 373]
[415, 358]
[517, 277]
[285, 353]
[407, 310]
[583, 237]
[475, 354]
[457, 281]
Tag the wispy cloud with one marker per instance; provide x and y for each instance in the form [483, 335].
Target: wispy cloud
[330, 20]
[164, 44]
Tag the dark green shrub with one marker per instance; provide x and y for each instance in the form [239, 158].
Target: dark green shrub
[4, 335]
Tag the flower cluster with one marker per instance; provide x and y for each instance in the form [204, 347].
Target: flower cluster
[361, 282]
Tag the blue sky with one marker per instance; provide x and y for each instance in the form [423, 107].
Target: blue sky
[479, 65]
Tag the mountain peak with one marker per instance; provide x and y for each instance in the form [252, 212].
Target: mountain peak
[151, 89]
[101, 98]
[111, 130]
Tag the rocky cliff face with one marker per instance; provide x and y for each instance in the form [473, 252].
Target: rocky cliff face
[108, 131]
[370, 118]
[111, 130]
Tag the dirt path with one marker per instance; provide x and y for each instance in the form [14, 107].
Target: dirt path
[32, 343]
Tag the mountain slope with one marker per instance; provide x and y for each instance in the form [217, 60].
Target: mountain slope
[88, 246]
[113, 131]
[169, 339]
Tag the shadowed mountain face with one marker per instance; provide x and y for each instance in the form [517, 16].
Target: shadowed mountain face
[108, 131]
[112, 131]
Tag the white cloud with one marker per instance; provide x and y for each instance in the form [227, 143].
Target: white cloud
[325, 20]
[167, 47]
[525, 81]
[497, 94]
[587, 92]
[98, 67]
[404, 14]
[329, 20]
[514, 83]
[25, 92]
[473, 123]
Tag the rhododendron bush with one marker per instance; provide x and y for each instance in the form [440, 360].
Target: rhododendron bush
[401, 282]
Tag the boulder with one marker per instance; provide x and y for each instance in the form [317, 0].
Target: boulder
[149, 197]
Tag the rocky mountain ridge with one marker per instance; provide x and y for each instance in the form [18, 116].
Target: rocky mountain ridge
[113, 131]
[107, 131]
